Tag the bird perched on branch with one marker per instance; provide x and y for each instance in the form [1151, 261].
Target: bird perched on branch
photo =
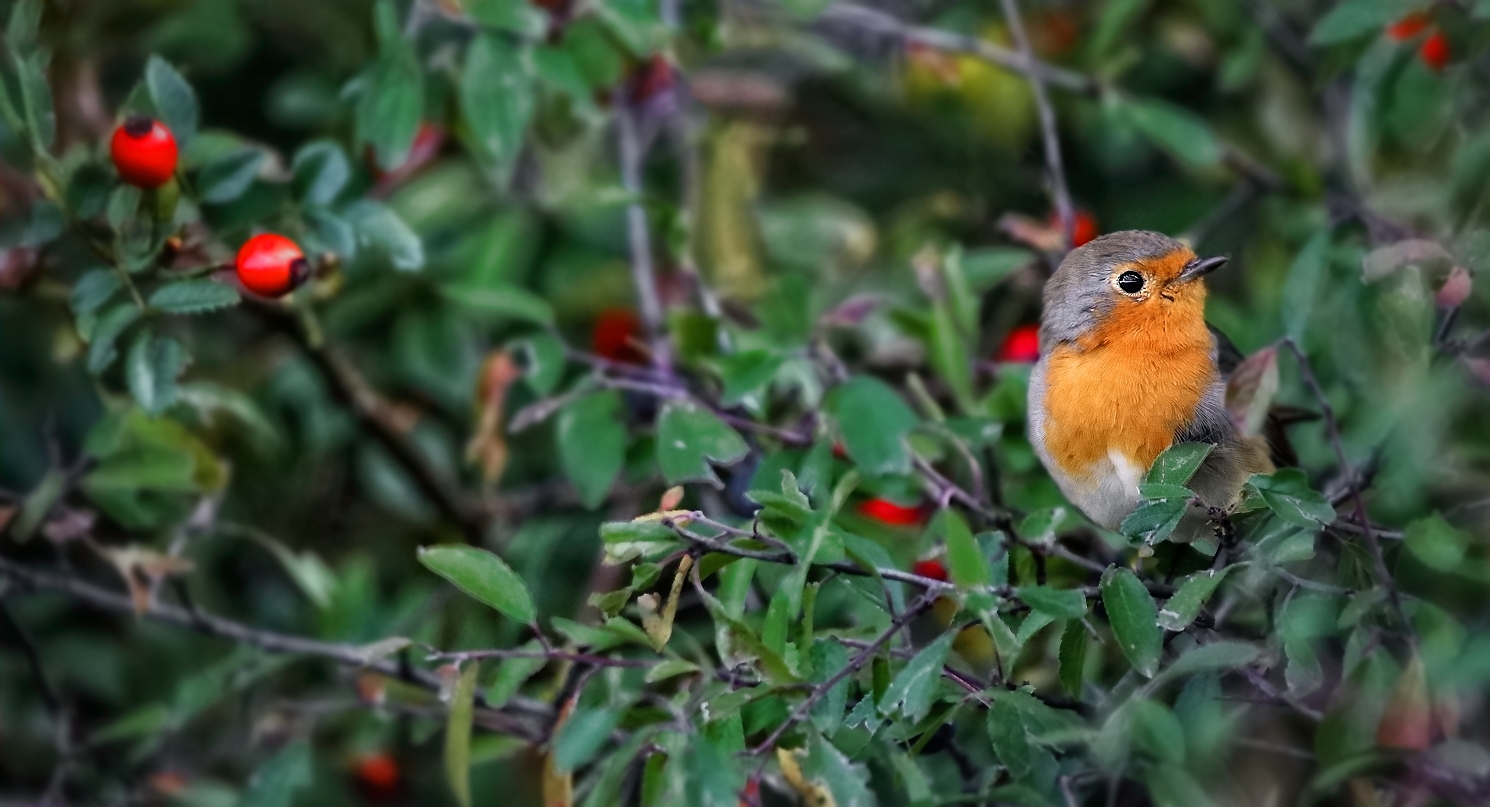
[1128, 368]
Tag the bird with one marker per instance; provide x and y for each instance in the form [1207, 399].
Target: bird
[1128, 367]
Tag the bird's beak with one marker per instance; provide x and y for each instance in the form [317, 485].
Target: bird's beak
[1200, 267]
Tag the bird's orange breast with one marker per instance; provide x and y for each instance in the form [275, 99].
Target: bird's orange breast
[1130, 384]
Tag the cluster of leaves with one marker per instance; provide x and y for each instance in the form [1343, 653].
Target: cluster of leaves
[781, 538]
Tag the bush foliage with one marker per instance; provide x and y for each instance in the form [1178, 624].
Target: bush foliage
[650, 430]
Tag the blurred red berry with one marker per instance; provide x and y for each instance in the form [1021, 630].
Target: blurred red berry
[933, 568]
[271, 265]
[1435, 52]
[888, 512]
[377, 776]
[651, 79]
[1083, 226]
[1021, 345]
[1409, 26]
[617, 336]
[144, 152]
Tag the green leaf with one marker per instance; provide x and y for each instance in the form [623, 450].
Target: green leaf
[36, 99]
[275, 783]
[227, 177]
[1176, 130]
[482, 575]
[506, 302]
[1301, 288]
[94, 289]
[1209, 658]
[848, 781]
[380, 229]
[151, 369]
[826, 659]
[1071, 658]
[745, 373]
[1178, 463]
[1157, 731]
[1011, 742]
[582, 736]
[320, 172]
[1357, 18]
[544, 362]
[1184, 605]
[196, 296]
[174, 101]
[1155, 519]
[1287, 493]
[1117, 17]
[25, 19]
[964, 560]
[913, 688]
[592, 444]
[112, 323]
[1134, 619]
[390, 107]
[689, 438]
[874, 422]
[1437, 543]
[1058, 603]
[949, 355]
[458, 735]
[985, 268]
[497, 99]
[524, 19]
[37, 505]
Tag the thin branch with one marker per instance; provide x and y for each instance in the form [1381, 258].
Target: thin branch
[382, 420]
[643, 270]
[1060, 194]
[821, 690]
[1332, 429]
[530, 723]
[550, 655]
[44, 686]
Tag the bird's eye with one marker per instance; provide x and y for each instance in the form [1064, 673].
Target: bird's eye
[1130, 282]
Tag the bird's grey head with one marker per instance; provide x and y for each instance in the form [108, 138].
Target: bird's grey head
[1126, 269]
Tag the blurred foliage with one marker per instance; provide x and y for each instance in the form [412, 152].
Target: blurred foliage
[570, 254]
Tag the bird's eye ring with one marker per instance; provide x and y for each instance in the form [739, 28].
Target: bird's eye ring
[1130, 282]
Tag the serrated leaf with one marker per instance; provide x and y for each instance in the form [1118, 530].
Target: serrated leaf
[1184, 605]
[690, 438]
[93, 289]
[912, 689]
[1209, 658]
[847, 781]
[482, 575]
[1178, 463]
[173, 99]
[112, 323]
[826, 659]
[151, 369]
[1054, 602]
[1287, 493]
[1134, 619]
[227, 177]
[964, 560]
[1071, 658]
[874, 422]
[320, 171]
[458, 735]
[1154, 519]
[497, 100]
[390, 107]
[195, 296]
[1011, 742]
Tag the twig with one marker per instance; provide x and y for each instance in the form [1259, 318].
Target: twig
[643, 271]
[821, 690]
[377, 416]
[1060, 194]
[530, 723]
[1332, 429]
[551, 655]
[44, 686]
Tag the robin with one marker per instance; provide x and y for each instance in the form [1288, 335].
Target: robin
[1128, 367]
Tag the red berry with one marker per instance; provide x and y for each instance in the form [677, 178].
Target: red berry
[932, 568]
[271, 265]
[651, 79]
[1083, 226]
[377, 776]
[1021, 345]
[1435, 52]
[888, 512]
[617, 336]
[144, 152]
[1409, 26]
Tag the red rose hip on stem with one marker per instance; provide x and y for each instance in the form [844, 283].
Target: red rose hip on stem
[271, 265]
[1435, 52]
[1021, 345]
[888, 512]
[144, 152]
[932, 568]
[1409, 26]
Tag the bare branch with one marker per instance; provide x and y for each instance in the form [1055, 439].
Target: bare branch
[1060, 194]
